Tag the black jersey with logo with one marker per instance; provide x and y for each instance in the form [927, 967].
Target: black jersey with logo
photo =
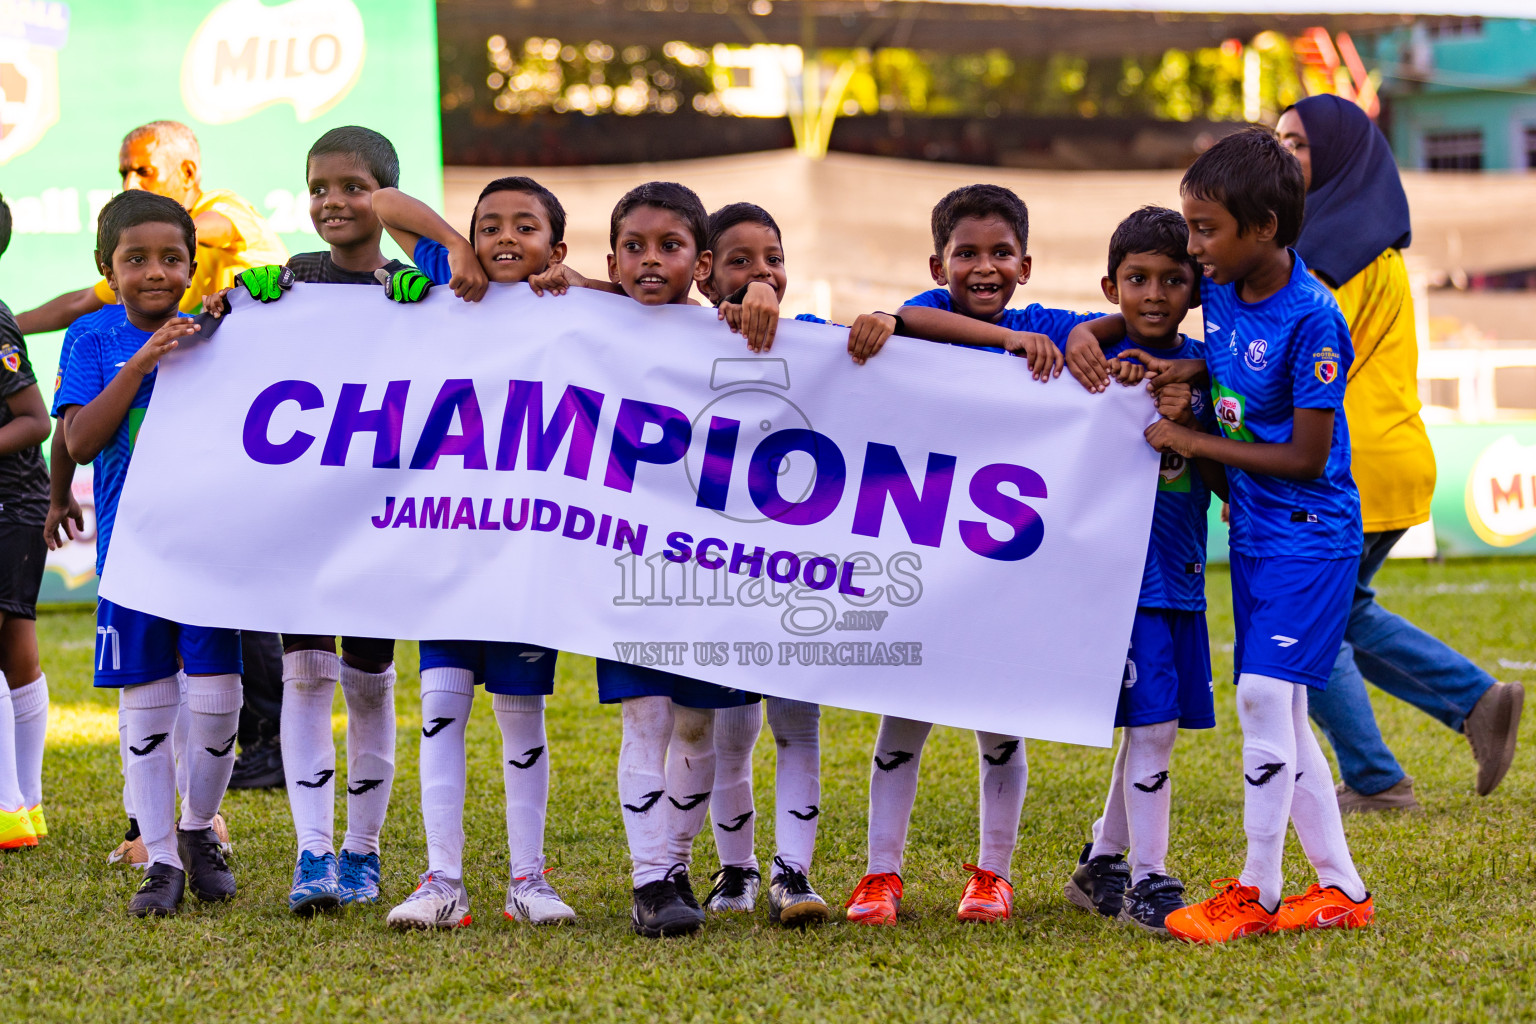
[319, 268]
[24, 475]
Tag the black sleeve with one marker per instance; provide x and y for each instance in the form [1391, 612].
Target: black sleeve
[15, 369]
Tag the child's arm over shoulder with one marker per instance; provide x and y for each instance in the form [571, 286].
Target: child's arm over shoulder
[93, 410]
[409, 220]
[559, 278]
[934, 324]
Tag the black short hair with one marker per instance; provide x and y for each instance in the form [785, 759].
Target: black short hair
[375, 151]
[664, 195]
[132, 208]
[1154, 229]
[727, 217]
[1254, 177]
[979, 201]
[5, 225]
[517, 183]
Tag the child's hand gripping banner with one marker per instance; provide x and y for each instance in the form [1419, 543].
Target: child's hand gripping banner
[931, 535]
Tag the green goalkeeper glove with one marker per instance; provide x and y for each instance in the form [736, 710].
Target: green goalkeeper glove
[405, 285]
[266, 284]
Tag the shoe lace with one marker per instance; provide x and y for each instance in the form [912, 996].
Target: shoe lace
[212, 850]
[356, 865]
[731, 882]
[1314, 892]
[793, 882]
[312, 868]
[983, 884]
[874, 888]
[432, 885]
[1227, 902]
[655, 895]
[154, 883]
[536, 885]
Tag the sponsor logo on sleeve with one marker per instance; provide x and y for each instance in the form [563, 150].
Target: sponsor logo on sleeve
[10, 357]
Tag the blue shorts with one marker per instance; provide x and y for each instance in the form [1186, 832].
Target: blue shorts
[618, 681]
[134, 648]
[523, 670]
[1290, 615]
[1167, 671]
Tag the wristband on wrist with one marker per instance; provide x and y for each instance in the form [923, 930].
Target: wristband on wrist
[901, 326]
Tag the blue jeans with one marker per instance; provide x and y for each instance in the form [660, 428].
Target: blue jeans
[1401, 659]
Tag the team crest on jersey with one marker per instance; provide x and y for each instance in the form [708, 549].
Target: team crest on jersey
[1326, 365]
[10, 357]
[1256, 356]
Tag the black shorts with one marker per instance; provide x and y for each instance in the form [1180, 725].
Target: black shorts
[22, 554]
[361, 647]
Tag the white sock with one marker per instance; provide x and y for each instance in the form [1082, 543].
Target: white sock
[1148, 794]
[1004, 781]
[893, 790]
[1112, 832]
[179, 739]
[10, 786]
[1264, 707]
[122, 759]
[642, 784]
[690, 779]
[796, 727]
[370, 754]
[149, 714]
[309, 748]
[214, 706]
[525, 775]
[30, 703]
[731, 809]
[447, 694]
[1315, 810]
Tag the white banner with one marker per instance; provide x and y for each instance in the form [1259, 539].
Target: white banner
[932, 535]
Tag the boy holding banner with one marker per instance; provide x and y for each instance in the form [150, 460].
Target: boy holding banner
[145, 244]
[519, 230]
[1279, 355]
[1167, 683]
[343, 169]
[659, 236]
[980, 257]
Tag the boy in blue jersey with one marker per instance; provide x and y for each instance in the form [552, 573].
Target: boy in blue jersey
[518, 227]
[1167, 682]
[980, 257]
[144, 247]
[1277, 354]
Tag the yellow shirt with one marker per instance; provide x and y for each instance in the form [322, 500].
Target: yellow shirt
[256, 246]
[1392, 461]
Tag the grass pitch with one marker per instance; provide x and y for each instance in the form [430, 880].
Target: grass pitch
[1455, 937]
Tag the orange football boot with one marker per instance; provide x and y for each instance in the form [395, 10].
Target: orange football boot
[987, 897]
[875, 900]
[1323, 907]
[1235, 911]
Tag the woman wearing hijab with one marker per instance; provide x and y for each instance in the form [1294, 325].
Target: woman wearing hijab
[1355, 228]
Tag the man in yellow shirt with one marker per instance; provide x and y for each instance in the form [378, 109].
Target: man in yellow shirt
[163, 157]
[1355, 229]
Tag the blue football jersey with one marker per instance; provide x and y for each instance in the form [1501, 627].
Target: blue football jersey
[94, 360]
[1267, 359]
[1055, 324]
[106, 316]
[1174, 577]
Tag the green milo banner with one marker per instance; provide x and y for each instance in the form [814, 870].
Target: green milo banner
[257, 81]
[1485, 492]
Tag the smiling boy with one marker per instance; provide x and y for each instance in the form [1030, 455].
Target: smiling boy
[144, 247]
